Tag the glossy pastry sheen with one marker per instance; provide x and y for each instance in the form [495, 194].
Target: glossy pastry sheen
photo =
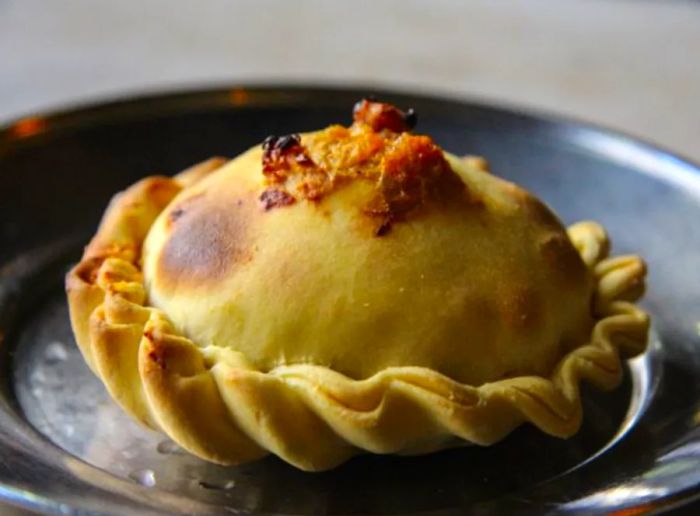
[353, 289]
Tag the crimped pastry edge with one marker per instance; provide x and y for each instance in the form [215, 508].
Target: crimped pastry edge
[215, 404]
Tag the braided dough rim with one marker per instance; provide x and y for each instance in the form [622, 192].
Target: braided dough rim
[215, 404]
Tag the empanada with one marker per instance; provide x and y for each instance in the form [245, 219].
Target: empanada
[345, 291]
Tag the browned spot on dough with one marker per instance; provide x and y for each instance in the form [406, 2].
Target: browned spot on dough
[157, 353]
[405, 170]
[273, 198]
[559, 254]
[157, 359]
[384, 227]
[541, 213]
[521, 307]
[158, 192]
[175, 214]
[88, 269]
[208, 239]
[177, 211]
[381, 116]
[157, 184]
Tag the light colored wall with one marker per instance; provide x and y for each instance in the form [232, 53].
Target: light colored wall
[630, 64]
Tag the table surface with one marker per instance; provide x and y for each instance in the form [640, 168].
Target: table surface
[628, 64]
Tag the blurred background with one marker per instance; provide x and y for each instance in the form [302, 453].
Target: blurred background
[630, 64]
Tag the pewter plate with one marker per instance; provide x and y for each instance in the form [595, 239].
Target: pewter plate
[66, 448]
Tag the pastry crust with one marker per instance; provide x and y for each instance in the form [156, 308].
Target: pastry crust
[227, 406]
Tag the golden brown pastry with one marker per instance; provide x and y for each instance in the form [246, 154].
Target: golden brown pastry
[350, 290]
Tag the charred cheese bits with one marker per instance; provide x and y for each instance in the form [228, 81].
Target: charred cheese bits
[355, 289]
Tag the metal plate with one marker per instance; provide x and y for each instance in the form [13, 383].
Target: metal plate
[65, 447]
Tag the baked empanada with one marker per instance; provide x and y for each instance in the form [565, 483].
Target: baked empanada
[350, 290]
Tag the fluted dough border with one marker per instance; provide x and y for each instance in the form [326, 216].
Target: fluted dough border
[215, 404]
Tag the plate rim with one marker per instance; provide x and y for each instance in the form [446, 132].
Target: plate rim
[82, 114]
[73, 112]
